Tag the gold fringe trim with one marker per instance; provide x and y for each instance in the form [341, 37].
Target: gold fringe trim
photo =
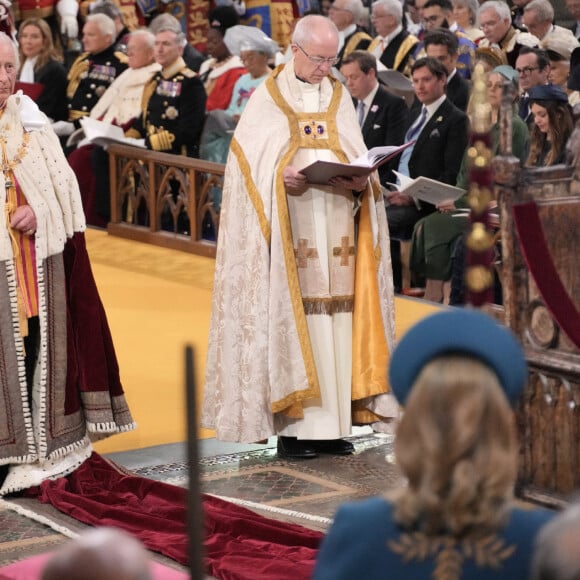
[328, 306]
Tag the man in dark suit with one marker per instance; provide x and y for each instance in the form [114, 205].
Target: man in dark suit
[442, 44]
[533, 68]
[441, 132]
[382, 115]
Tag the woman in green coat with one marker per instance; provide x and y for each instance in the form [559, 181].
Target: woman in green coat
[435, 236]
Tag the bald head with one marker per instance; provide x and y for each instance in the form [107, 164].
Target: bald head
[100, 554]
[314, 47]
[556, 555]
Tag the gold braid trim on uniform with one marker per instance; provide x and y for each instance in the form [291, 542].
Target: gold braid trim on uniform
[354, 41]
[148, 91]
[78, 67]
[406, 46]
[292, 404]
[252, 190]
[160, 140]
[121, 57]
[449, 554]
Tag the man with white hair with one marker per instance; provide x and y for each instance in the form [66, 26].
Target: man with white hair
[174, 100]
[393, 45]
[538, 19]
[60, 377]
[496, 22]
[92, 72]
[345, 14]
[120, 105]
[291, 351]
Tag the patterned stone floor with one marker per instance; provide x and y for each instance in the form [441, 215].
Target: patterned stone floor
[313, 488]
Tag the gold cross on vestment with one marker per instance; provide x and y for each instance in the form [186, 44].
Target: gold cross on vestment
[303, 252]
[344, 251]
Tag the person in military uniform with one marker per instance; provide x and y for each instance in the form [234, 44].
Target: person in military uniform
[92, 72]
[173, 100]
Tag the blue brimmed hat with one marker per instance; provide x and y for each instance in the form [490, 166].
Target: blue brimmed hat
[458, 331]
[548, 93]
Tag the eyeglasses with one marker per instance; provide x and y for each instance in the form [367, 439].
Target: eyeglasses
[527, 70]
[432, 19]
[319, 60]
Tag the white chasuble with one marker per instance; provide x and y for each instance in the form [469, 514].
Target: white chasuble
[288, 353]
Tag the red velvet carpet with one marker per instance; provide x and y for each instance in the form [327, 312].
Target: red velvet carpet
[239, 544]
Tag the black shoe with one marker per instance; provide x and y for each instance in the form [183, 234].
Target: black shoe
[291, 447]
[331, 446]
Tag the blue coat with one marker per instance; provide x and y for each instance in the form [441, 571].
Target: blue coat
[365, 543]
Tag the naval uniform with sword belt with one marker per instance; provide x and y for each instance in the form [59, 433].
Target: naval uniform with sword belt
[173, 111]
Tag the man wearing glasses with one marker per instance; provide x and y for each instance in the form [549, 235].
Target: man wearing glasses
[495, 21]
[438, 14]
[533, 68]
[291, 353]
[345, 14]
[393, 46]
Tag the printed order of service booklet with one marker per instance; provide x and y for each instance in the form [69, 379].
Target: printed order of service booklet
[320, 172]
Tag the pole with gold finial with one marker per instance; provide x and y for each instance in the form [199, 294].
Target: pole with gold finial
[479, 276]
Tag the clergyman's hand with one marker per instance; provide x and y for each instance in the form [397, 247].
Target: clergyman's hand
[294, 181]
[354, 182]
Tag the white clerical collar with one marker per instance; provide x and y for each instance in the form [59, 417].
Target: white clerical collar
[452, 74]
[453, 27]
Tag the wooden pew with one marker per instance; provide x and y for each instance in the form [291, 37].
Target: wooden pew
[164, 199]
[549, 415]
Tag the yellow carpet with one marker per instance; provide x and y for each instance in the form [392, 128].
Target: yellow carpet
[157, 301]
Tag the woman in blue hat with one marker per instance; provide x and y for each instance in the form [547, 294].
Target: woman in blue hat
[456, 373]
[553, 125]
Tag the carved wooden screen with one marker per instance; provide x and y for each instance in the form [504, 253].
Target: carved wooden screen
[549, 414]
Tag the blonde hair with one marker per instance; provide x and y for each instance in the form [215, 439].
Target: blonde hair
[457, 446]
[48, 51]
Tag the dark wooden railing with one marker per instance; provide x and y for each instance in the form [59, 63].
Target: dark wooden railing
[166, 200]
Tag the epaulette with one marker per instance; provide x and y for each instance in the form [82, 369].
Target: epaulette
[188, 73]
[80, 58]
[121, 57]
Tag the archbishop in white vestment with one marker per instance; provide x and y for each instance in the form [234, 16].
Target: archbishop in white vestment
[302, 320]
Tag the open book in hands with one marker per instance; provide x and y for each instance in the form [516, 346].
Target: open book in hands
[103, 134]
[426, 189]
[321, 172]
